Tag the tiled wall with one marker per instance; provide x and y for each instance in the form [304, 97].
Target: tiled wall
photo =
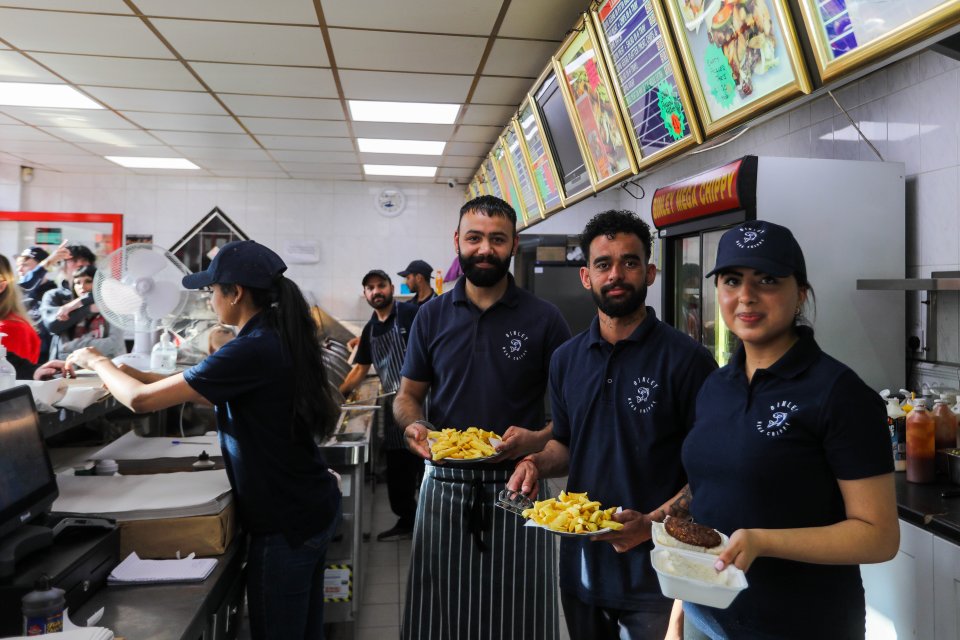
[340, 216]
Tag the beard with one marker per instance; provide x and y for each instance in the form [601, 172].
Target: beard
[483, 277]
[624, 306]
[380, 301]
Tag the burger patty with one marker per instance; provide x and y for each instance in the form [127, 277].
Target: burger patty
[692, 533]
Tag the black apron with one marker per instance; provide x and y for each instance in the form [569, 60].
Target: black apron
[387, 351]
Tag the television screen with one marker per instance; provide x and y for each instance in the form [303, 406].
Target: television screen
[561, 137]
[27, 484]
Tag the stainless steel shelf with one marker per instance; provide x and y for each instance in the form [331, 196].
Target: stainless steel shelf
[910, 284]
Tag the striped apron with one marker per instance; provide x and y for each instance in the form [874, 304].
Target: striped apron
[387, 351]
[476, 573]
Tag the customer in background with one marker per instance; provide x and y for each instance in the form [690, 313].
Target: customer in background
[21, 341]
[92, 329]
[418, 275]
[383, 343]
[482, 351]
[789, 455]
[622, 394]
[33, 265]
[269, 390]
[61, 309]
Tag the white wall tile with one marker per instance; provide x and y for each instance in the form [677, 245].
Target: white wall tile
[938, 120]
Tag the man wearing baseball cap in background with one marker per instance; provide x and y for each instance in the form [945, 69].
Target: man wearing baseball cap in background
[32, 265]
[418, 274]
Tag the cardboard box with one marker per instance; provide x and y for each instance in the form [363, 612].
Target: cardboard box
[161, 539]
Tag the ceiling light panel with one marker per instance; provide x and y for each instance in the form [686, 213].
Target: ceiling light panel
[416, 112]
[412, 147]
[56, 96]
[133, 162]
[399, 170]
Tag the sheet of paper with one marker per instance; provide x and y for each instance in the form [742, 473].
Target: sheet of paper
[130, 446]
[133, 570]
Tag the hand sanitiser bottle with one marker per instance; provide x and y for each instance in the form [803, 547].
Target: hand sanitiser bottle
[8, 375]
[163, 357]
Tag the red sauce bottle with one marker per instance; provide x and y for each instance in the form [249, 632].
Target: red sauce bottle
[946, 425]
[921, 444]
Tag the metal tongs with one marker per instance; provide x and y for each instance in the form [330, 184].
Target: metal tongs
[514, 501]
[363, 403]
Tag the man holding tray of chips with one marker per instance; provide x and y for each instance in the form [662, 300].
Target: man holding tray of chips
[483, 353]
[622, 394]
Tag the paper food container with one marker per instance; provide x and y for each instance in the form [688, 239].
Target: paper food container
[690, 576]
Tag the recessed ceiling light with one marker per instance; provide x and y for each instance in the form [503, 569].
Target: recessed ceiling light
[399, 170]
[414, 147]
[134, 162]
[29, 94]
[416, 112]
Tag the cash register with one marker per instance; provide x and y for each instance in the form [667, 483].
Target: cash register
[77, 553]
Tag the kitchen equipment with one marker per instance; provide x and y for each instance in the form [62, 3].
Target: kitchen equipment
[953, 463]
[514, 501]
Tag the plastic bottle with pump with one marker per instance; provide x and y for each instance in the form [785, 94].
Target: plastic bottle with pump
[163, 357]
[897, 423]
[921, 444]
[43, 609]
[8, 375]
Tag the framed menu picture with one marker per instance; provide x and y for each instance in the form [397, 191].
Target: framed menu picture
[490, 178]
[845, 34]
[647, 77]
[518, 167]
[741, 56]
[600, 129]
[472, 190]
[543, 171]
[511, 192]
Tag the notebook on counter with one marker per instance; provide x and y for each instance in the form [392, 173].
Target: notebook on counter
[134, 570]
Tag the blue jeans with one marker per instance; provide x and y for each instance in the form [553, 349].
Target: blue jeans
[588, 622]
[700, 623]
[285, 586]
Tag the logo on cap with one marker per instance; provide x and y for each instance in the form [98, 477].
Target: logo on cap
[779, 419]
[752, 238]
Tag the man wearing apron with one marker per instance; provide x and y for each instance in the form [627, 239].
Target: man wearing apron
[383, 342]
[482, 351]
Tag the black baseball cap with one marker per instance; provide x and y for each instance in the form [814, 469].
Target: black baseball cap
[80, 252]
[417, 266]
[35, 253]
[242, 262]
[761, 245]
[375, 273]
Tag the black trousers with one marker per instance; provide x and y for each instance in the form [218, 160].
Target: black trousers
[404, 472]
[587, 622]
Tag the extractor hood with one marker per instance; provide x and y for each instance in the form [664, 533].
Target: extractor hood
[939, 281]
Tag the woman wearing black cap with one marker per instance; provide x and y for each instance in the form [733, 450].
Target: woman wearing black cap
[272, 401]
[789, 455]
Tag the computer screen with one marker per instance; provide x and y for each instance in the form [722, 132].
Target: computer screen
[562, 138]
[27, 483]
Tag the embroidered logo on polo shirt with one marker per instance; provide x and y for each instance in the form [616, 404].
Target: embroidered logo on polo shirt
[643, 399]
[752, 238]
[516, 347]
[777, 423]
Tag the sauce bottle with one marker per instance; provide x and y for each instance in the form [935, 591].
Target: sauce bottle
[945, 424]
[921, 444]
[439, 281]
[897, 423]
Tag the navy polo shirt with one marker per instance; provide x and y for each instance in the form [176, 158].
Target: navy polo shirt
[623, 410]
[768, 454]
[280, 481]
[486, 368]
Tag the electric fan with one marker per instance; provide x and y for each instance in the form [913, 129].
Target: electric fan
[139, 290]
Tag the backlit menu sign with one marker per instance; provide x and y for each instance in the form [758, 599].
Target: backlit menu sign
[521, 173]
[541, 164]
[490, 176]
[506, 180]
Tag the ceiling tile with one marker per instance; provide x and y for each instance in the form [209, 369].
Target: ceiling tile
[152, 100]
[267, 80]
[59, 158]
[327, 176]
[238, 42]
[87, 6]
[244, 173]
[228, 163]
[22, 132]
[86, 118]
[519, 57]
[293, 127]
[287, 11]
[156, 150]
[37, 146]
[460, 172]
[404, 87]
[305, 143]
[276, 107]
[510, 91]
[197, 139]
[180, 122]
[80, 33]
[120, 72]
[467, 148]
[468, 133]
[321, 167]
[462, 162]
[403, 131]
[488, 114]
[438, 16]
[114, 137]
[541, 19]
[406, 51]
[15, 67]
[213, 153]
[285, 155]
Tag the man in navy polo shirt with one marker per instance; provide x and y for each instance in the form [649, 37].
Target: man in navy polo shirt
[622, 394]
[483, 352]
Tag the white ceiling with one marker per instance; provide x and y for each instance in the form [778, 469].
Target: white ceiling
[249, 88]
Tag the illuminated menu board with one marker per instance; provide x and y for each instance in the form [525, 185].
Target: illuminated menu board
[493, 184]
[541, 164]
[601, 129]
[521, 173]
[507, 183]
[742, 57]
[848, 33]
[645, 69]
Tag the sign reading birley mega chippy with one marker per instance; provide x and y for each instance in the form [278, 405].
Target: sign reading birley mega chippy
[725, 188]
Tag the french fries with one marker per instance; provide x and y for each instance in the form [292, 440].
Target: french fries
[471, 444]
[572, 513]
